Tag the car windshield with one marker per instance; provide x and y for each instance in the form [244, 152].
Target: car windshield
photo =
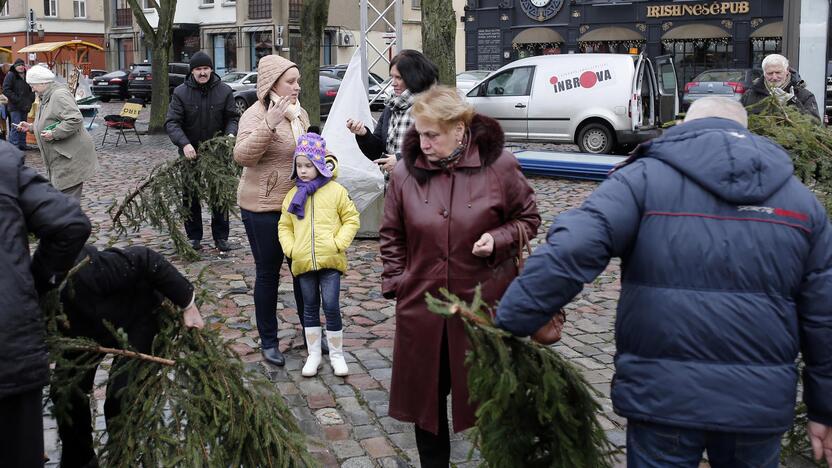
[472, 75]
[721, 75]
[232, 77]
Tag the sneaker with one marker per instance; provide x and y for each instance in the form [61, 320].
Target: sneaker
[224, 246]
[196, 244]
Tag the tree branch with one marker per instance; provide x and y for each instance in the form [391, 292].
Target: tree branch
[125, 353]
[145, 26]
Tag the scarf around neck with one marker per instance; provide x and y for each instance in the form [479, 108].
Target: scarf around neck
[400, 121]
[292, 115]
[298, 204]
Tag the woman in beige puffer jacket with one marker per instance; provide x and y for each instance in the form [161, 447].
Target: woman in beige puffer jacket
[265, 147]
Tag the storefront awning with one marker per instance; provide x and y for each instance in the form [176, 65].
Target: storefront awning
[5, 50]
[53, 46]
[695, 31]
[769, 30]
[611, 34]
[537, 36]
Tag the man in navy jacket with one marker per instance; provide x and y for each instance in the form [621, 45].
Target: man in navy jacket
[726, 276]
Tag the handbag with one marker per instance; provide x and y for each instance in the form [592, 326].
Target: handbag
[552, 330]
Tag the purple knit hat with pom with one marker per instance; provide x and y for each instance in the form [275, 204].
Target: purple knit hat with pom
[313, 146]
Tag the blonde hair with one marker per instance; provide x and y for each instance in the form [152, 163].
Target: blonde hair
[442, 105]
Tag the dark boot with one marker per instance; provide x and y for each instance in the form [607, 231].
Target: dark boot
[274, 356]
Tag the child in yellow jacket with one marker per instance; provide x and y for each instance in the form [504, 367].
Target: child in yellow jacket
[318, 224]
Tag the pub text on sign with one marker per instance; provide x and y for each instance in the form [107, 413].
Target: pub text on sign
[702, 9]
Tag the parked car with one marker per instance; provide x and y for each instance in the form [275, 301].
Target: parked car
[375, 84]
[141, 78]
[328, 89]
[113, 85]
[601, 102]
[239, 81]
[467, 79]
[723, 82]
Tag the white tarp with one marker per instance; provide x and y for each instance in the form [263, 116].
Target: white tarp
[358, 174]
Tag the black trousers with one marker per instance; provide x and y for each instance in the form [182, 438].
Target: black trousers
[21, 430]
[75, 424]
[435, 449]
[220, 225]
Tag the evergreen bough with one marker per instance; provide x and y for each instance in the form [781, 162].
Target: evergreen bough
[807, 141]
[158, 199]
[535, 409]
[191, 403]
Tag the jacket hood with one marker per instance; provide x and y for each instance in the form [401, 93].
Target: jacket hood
[269, 70]
[190, 81]
[486, 146]
[728, 161]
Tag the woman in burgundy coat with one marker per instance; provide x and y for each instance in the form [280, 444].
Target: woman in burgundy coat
[450, 221]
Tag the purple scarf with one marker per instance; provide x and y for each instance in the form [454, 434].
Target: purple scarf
[298, 204]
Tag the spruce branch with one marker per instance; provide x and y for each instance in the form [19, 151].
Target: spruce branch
[534, 408]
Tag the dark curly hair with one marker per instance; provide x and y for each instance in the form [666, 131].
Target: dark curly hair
[418, 72]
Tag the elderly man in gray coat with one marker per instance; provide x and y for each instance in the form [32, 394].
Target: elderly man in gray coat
[67, 149]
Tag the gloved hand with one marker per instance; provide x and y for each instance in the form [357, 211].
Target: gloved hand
[781, 95]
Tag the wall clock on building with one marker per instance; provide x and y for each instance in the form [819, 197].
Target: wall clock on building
[541, 10]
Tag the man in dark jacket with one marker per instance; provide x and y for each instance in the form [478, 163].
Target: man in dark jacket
[29, 204]
[124, 287]
[726, 276]
[781, 81]
[201, 108]
[20, 97]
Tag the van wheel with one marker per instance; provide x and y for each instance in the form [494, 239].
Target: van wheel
[596, 138]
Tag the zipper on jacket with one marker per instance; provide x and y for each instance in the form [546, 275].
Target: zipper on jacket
[312, 223]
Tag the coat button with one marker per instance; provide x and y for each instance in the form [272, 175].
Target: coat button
[445, 213]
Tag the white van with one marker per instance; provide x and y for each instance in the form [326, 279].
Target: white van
[601, 102]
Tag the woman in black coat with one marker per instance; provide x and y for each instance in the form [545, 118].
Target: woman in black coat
[411, 73]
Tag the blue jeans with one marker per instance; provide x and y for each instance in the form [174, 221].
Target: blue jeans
[16, 138]
[261, 230]
[658, 446]
[321, 286]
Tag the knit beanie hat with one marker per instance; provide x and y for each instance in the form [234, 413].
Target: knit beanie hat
[313, 146]
[201, 59]
[19, 62]
[39, 75]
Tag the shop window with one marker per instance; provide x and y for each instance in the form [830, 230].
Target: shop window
[225, 53]
[261, 45]
[692, 57]
[532, 50]
[611, 47]
[760, 47]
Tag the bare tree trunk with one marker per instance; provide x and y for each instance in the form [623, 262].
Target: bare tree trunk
[313, 18]
[438, 37]
[160, 40]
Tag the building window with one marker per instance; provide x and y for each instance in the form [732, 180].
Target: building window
[760, 47]
[295, 8]
[79, 8]
[208, 2]
[50, 7]
[259, 9]
[261, 45]
[295, 46]
[693, 56]
[415, 4]
[5, 10]
[225, 53]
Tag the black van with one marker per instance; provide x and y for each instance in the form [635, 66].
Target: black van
[140, 79]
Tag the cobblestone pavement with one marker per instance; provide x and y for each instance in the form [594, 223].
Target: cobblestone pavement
[345, 419]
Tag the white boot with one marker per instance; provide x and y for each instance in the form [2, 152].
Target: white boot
[335, 339]
[313, 345]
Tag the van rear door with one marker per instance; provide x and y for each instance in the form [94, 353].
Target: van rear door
[668, 88]
[505, 98]
[634, 109]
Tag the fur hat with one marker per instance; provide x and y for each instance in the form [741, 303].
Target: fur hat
[313, 146]
[201, 59]
[39, 75]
